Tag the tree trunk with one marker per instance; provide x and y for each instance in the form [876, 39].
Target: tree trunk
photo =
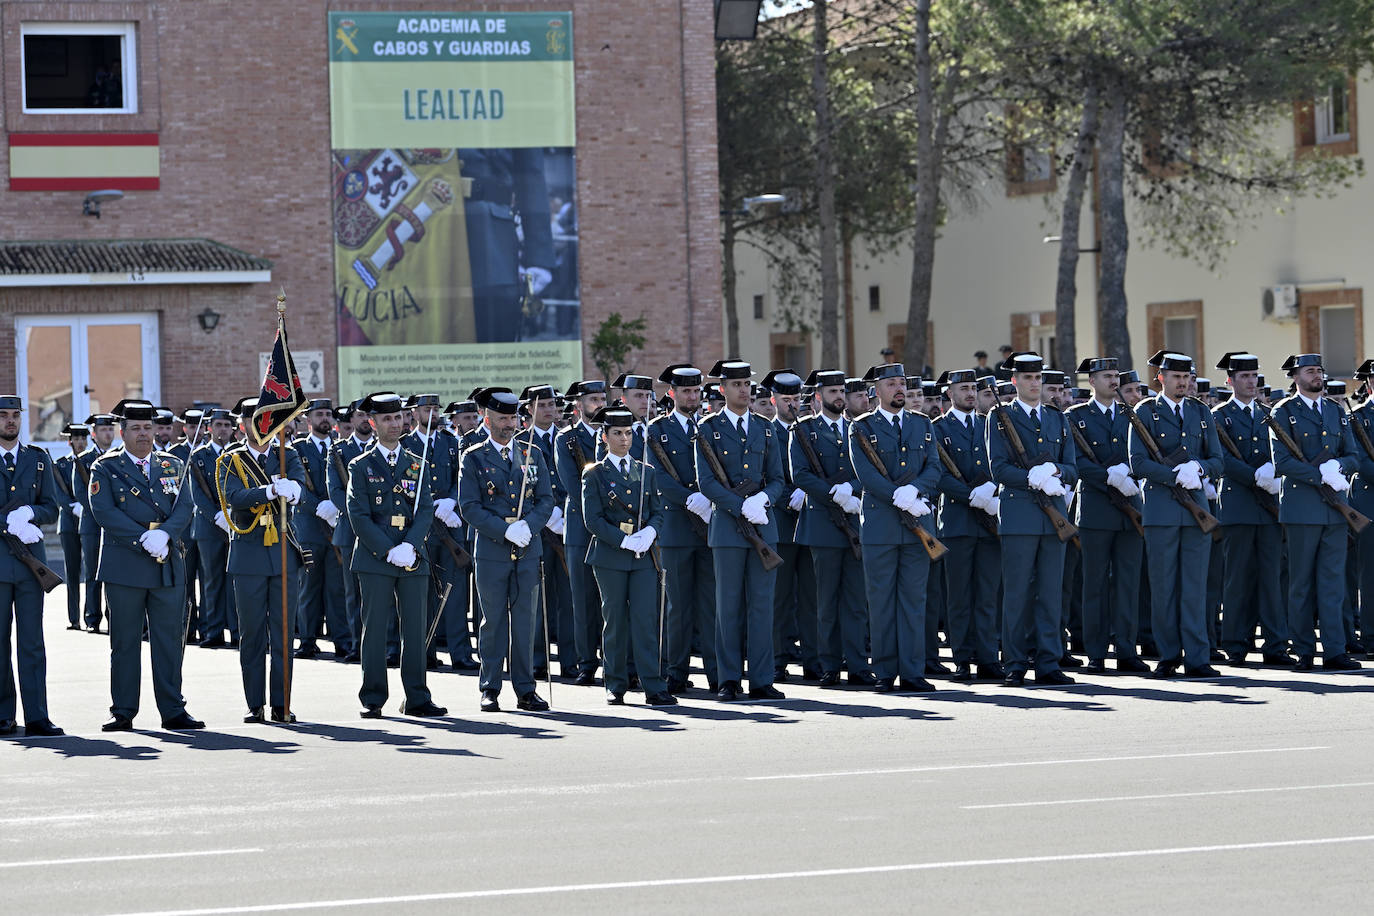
[825, 187]
[927, 210]
[730, 283]
[1111, 305]
[1066, 289]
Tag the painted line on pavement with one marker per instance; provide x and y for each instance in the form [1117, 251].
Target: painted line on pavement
[761, 876]
[93, 860]
[1033, 763]
[1128, 798]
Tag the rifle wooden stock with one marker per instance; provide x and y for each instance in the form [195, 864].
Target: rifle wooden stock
[696, 521]
[1119, 500]
[1204, 519]
[1263, 497]
[1064, 529]
[767, 555]
[47, 579]
[934, 549]
[838, 517]
[988, 522]
[1355, 519]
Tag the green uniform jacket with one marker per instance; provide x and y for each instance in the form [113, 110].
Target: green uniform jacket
[380, 495]
[125, 504]
[610, 499]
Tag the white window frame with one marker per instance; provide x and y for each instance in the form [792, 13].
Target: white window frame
[1325, 116]
[127, 32]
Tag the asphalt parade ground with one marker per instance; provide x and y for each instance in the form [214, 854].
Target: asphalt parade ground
[1251, 793]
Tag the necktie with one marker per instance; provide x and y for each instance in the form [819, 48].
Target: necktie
[739, 426]
[897, 424]
[1178, 412]
[1035, 415]
[143, 466]
[323, 451]
[968, 423]
[262, 463]
[9, 462]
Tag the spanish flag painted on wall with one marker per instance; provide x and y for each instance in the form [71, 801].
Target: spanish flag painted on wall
[83, 162]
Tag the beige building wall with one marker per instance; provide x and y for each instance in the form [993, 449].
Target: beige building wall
[995, 278]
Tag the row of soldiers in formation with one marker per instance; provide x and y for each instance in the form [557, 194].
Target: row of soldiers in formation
[792, 522]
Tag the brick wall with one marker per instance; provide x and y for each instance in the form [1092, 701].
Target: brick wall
[238, 93]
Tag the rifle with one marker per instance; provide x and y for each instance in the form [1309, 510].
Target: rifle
[698, 525]
[987, 521]
[1357, 521]
[934, 549]
[838, 516]
[1263, 497]
[85, 476]
[1205, 520]
[66, 484]
[767, 555]
[1063, 528]
[47, 579]
[1119, 500]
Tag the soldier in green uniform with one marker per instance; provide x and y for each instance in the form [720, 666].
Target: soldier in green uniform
[320, 601]
[457, 627]
[622, 510]
[504, 493]
[341, 454]
[1177, 549]
[441, 455]
[102, 427]
[210, 531]
[795, 629]
[574, 450]
[69, 519]
[1316, 531]
[138, 498]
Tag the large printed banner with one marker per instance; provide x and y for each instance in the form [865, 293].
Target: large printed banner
[455, 223]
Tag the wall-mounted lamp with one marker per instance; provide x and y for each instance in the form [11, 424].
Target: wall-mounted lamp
[209, 319]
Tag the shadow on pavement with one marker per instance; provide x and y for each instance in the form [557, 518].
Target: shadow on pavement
[75, 746]
[853, 710]
[715, 711]
[1034, 698]
[492, 725]
[1298, 686]
[1169, 696]
[592, 720]
[226, 741]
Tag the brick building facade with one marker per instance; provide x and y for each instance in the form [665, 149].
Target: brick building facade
[233, 96]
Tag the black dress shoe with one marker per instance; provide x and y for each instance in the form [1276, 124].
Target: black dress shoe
[42, 728]
[1216, 655]
[586, 679]
[860, 679]
[308, 651]
[1014, 679]
[992, 672]
[766, 692]
[1304, 663]
[614, 699]
[1131, 666]
[254, 716]
[233, 642]
[432, 662]
[963, 673]
[1356, 648]
[935, 669]
[811, 674]
[532, 702]
[95, 629]
[914, 685]
[728, 692]
[490, 703]
[426, 710]
[1069, 661]
[393, 660]
[464, 663]
[830, 679]
[1280, 659]
[182, 722]
[661, 699]
[352, 658]
[1149, 649]
[1054, 679]
[1342, 662]
[541, 672]
[1201, 671]
[116, 724]
[279, 714]
[1166, 669]
[1237, 660]
[884, 685]
[74, 626]
[371, 712]
[677, 687]
[1095, 666]
[634, 682]
[212, 642]
[780, 674]
[712, 686]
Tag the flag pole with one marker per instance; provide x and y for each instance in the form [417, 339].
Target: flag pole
[285, 522]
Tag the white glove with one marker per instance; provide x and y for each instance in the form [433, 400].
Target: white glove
[992, 506]
[797, 500]
[1334, 479]
[19, 516]
[1188, 475]
[559, 528]
[1126, 485]
[983, 492]
[541, 278]
[402, 555]
[646, 536]
[919, 507]
[1123, 470]
[222, 522]
[27, 532]
[628, 543]
[699, 506]
[853, 505]
[327, 511]
[281, 488]
[1208, 489]
[518, 533]
[1328, 467]
[1264, 473]
[77, 509]
[155, 541]
[841, 492]
[1053, 487]
[977, 500]
[1036, 476]
[905, 496]
[755, 509]
[445, 505]
[555, 522]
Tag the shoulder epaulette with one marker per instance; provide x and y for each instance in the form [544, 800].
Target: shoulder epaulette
[468, 450]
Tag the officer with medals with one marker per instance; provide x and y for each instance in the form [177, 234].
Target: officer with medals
[540, 404]
[822, 470]
[26, 479]
[138, 498]
[1251, 534]
[748, 455]
[390, 510]
[441, 456]
[504, 493]
[622, 510]
[967, 523]
[1177, 548]
[1316, 531]
[210, 531]
[898, 491]
[252, 485]
[69, 518]
[341, 455]
[102, 427]
[1112, 548]
[321, 596]
[688, 572]
[794, 592]
[575, 449]
[1031, 550]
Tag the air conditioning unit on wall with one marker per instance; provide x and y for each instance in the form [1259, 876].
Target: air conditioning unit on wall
[1279, 303]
